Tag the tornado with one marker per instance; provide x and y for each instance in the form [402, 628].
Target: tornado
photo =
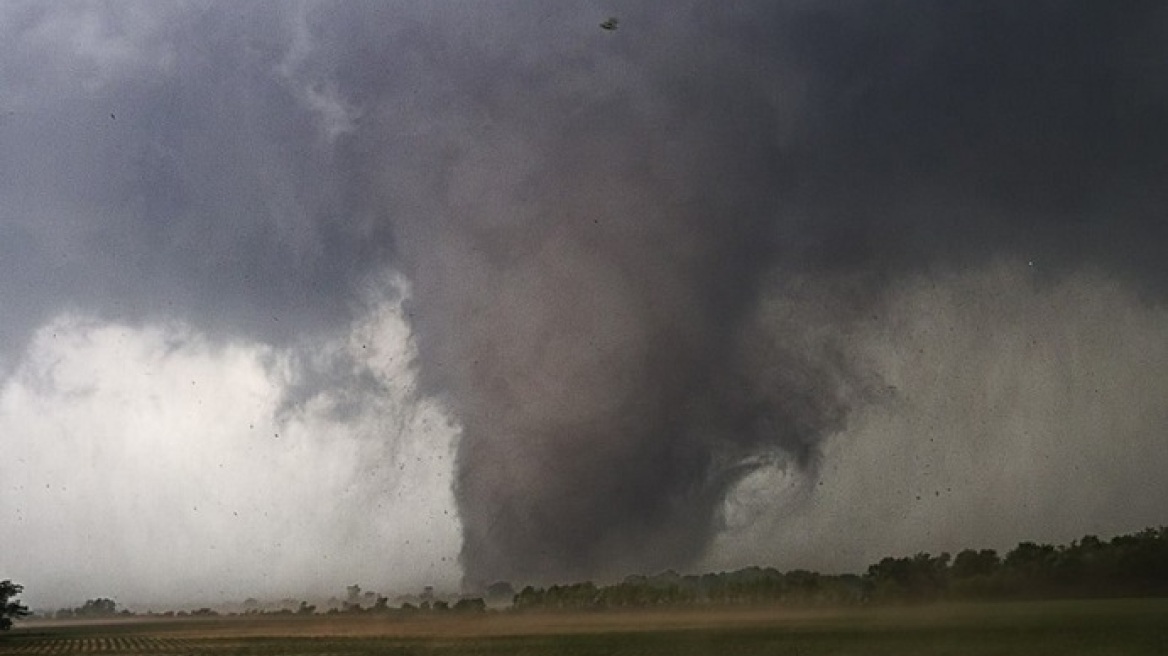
[642, 252]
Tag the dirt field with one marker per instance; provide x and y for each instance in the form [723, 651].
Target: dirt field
[1095, 627]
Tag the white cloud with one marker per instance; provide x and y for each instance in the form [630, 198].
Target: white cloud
[1016, 410]
[151, 465]
[82, 47]
[336, 116]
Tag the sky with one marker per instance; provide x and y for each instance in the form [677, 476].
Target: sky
[297, 295]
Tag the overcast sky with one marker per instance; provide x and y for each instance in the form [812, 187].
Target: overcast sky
[295, 295]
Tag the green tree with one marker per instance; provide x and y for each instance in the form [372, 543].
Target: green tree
[10, 608]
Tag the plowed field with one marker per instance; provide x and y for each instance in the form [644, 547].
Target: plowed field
[1077, 627]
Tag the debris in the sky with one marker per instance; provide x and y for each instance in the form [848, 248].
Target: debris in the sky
[610, 23]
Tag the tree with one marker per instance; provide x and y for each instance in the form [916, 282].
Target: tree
[10, 608]
[970, 563]
[475, 605]
[100, 607]
[919, 578]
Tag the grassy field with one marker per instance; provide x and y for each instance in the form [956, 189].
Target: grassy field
[1033, 628]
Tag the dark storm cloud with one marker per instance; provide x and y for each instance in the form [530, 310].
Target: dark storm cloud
[592, 222]
[970, 129]
[179, 179]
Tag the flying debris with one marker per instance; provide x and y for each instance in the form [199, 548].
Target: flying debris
[610, 24]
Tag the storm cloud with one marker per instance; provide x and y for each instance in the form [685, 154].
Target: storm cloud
[646, 273]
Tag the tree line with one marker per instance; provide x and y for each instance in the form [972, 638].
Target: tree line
[1134, 565]
[92, 608]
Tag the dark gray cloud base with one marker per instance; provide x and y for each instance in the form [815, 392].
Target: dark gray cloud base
[591, 221]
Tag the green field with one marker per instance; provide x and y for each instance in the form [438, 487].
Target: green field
[1032, 628]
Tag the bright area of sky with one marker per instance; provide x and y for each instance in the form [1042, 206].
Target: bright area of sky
[147, 464]
[193, 417]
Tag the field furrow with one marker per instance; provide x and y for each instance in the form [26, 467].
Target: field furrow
[114, 646]
[1130, 627]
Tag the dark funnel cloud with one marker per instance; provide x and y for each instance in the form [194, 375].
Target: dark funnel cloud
[636, 258]
[592, 220]
[585, 276]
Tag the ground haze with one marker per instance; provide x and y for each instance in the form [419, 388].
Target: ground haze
[1062, 627]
